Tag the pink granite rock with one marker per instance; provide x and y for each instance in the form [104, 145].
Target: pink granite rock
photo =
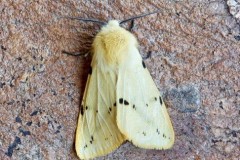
[195, 59]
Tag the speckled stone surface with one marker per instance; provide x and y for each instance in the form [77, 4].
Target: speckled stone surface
[195, 60]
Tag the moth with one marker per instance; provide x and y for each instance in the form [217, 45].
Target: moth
[121, 101]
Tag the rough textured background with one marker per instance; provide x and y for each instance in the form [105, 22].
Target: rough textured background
[195, 62]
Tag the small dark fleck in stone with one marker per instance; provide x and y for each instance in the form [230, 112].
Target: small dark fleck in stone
[144, 66]
[57, 132]
[237, 38]
[18, 119]
[160, 99]
[11, 85]
[10, 103]
[2, 84]
[19, 58]
[234, 133]
[34, 113]
[49, 122]
[121, 100]
[90, 70]
[12, 146]
[115, 104]
[29, 123]
[38, 124]
[126, 102]
[3, 48]
[216, 140]
[24, 133]
[59, 127]
[24, 104]
[221, 105]
[54, 92]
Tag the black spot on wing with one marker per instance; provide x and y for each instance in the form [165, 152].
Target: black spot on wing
[164, 136]
[144, 66]
[109, 110]
[86, 107]
[81, 110]
[155, 98]
[91, 141]
[144, 133]
[115, 104]
[121, 100]
[134, 107]
[160, 99]
[158, 132]
[126, 102]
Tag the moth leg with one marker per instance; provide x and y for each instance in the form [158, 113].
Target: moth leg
[149, 54]
[75, 53]
[131, 26]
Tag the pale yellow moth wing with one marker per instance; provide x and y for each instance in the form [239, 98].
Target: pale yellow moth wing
[97, 132]
[141, 113]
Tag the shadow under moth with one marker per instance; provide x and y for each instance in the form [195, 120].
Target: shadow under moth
[121, 101]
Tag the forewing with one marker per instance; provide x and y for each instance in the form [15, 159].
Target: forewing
[141, 113]
[97, 132]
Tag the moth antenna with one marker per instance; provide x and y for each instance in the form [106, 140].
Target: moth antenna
[88, 20]
[76, 54]
[139, 16]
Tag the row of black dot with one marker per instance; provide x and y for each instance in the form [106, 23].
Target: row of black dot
[158, 132]
[125, 102]
[121, 101]
[86, 108]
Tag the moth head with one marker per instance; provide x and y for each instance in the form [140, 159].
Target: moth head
[112, 41]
